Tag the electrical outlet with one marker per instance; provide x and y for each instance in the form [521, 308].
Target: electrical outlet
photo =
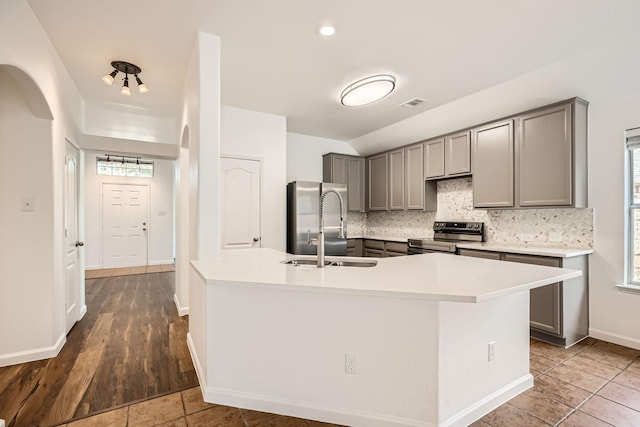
[350, 363]
[555, 237]
[492, 351]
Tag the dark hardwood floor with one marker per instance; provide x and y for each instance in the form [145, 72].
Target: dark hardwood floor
[131, 345]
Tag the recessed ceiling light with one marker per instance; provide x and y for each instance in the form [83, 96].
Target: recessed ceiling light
[326, 29]
[368, 90]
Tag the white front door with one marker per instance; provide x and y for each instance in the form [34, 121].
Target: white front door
[71, 243]
[241, 183]
[125, 221]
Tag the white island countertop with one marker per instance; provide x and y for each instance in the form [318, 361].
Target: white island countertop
[436, 276]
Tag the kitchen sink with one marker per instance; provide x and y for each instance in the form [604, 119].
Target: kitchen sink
[346, 263]
[370, 263]
[299, 262]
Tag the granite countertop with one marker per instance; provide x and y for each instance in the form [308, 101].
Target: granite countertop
[525, 250]
[435, 276]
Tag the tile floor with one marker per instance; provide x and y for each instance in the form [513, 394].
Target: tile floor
[110, 272]
[592, 384]
[186, 408]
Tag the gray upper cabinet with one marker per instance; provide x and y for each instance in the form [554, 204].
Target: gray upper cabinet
[534, 159]
[348, 170]
[355, 184]
[492, 153]
[434, 158]
[378, 182]
[396, 180]
[449, 156]
[457, 154]
[544, 152]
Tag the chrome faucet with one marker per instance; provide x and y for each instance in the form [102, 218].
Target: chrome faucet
[320, 240]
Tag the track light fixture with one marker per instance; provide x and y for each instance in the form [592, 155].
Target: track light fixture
[126, 68]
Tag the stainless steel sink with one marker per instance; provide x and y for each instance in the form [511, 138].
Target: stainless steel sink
[346, 263]
[371, 263]
[299, 262]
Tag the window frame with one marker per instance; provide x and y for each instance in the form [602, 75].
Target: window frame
[632, 137]
[126, 169]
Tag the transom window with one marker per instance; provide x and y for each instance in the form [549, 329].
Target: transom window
[633, 207]
[124, 166]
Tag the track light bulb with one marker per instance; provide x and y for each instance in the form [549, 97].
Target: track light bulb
[108, 79]
[125, 87]
[142, 88]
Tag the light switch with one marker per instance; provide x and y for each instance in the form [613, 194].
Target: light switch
[28, 204]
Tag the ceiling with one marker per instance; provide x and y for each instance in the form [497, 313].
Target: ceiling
[273, 60]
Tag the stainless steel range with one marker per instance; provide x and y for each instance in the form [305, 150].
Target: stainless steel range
[445, 236]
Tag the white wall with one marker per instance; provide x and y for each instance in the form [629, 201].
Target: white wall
[160, 210]
[614, 316]
[127, 122]
[201, 116]
[25, 241]
[261, 136]
[33, 155]
[304, 155]
[607, 77]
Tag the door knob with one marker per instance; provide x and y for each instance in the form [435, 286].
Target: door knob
[255, 239]
[79, 243]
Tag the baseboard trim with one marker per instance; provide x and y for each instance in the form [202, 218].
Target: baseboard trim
[92, 267]
[83, 311]
[615, 338]
[182, 311]
[345, 416]
[307, 410]
[33, 355]
[196, 363]
[489, 403]
[169, 261]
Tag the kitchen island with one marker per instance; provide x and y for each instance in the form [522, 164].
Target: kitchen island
[404, 343]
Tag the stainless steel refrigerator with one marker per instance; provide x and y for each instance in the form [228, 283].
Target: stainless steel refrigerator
[303, 217]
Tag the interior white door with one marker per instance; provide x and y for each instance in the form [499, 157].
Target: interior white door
[71, 242]
[125, 218]
[241, 207]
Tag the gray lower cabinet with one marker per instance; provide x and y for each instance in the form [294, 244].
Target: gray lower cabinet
[395, 249]
[348, 170]
[355, 247]
[383, 249]
[378, 182]
[545, 303]
[559, 312]
[374, 248]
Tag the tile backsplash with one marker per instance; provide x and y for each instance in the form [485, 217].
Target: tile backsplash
[562, 228]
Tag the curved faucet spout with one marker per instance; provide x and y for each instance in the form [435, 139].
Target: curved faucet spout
[321, 227]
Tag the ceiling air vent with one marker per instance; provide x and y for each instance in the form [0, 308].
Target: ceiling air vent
[412, 103]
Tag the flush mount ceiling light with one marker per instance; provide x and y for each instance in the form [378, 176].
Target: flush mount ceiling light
[326, 29]
[368, 90]
[126, 68]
